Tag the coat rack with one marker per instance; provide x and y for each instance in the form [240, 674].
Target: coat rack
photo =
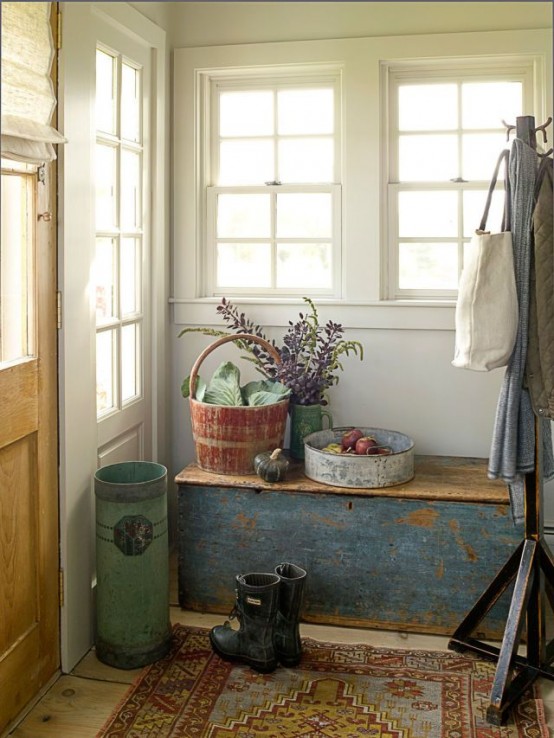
[531, 567]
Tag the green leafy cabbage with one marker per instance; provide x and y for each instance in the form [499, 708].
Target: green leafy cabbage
[224, 389]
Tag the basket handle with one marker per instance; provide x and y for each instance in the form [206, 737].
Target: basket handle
[225, 339]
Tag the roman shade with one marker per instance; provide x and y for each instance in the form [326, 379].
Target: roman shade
[28, 99]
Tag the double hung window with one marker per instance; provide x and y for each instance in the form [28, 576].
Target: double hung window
[273, 196]
[446, 132]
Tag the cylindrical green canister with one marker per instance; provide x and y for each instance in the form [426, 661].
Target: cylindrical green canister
[132, 564]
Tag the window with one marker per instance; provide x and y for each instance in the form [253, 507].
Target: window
[445, 135]
[273, 192]
[119, 232]
[17, 314]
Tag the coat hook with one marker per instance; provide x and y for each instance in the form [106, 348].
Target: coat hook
[509, 128]
[543, 128]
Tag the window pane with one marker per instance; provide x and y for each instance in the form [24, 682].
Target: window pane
[432, 214]
[129, 361]
[246, 162]
[105, 277]
[130, 103]
[304, 265]
[105, 92]
[246, 113]
[306, 160]
[430, 107]
[105, 390]
[428, 158]
[243, 216]
[305, 111]
[16, 268]
[474, 204]
[304, 215]
[428, 266]
[105, 187]
[485, 104]
[243, 265]
[480, 152]
[130, 190]
[130, 276]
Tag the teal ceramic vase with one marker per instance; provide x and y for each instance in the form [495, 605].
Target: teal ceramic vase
[305, 419]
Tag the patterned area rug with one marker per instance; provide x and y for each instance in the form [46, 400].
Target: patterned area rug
[337, 691]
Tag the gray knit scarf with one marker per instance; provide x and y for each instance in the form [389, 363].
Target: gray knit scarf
[513, 442]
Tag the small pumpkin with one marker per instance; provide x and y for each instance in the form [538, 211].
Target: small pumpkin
[271, 466]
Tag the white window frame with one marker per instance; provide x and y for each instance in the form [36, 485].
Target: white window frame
[364, 302]
[211, 85]
[516, 69]
[273, 190]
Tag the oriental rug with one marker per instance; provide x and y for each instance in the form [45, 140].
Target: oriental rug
[337, 691]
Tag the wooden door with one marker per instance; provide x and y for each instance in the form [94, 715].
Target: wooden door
[29, 559]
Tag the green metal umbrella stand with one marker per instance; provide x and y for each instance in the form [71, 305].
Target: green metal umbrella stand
[132, 564]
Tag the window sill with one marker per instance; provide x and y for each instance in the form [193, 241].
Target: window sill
[383, 315]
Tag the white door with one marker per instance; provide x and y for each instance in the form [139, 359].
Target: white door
[113, 248]
[122, 247]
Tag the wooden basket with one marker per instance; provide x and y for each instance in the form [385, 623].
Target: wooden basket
[228, 438]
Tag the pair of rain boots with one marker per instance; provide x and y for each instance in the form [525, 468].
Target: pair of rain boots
[268, 609]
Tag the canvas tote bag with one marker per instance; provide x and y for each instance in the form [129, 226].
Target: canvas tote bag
[486, 318]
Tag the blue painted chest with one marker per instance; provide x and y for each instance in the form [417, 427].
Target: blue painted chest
[413, 558]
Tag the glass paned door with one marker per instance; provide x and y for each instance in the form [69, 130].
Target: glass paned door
[119, 232]
[121, 280]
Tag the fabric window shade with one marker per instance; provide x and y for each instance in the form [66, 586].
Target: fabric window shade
[28, 99]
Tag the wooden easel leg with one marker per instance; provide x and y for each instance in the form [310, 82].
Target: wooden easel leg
[461, 640]
[505, 691]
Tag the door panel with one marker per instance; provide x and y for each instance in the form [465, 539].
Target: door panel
[98, 245]
[29, 535]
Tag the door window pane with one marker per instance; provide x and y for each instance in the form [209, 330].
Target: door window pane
[17, 319]
[428, 158]
[432, 107]
[105, 382]
[130, 103]
[130, 190]
[106, 191]
[130, 276]
[248, 113]
[304, 215]
[305, 111]
[243, 265]
[243, 216]
[433, 214]
[428, 266]
[106, 81]
[129, 362]
[306, 265]
[105, 271]
[306, 160]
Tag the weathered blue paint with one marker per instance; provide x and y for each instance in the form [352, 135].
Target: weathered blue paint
[376, 561]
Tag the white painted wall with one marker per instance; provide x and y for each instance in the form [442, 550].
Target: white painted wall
[219, 23]
[406, 381]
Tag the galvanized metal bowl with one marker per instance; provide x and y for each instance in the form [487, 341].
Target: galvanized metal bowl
[365, 472]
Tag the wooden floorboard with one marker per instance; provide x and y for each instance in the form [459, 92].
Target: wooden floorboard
[73, 708]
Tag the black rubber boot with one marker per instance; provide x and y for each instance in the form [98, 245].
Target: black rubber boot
[256, 610]
[286, 638]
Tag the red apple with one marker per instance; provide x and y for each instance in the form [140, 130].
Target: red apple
[349, 438]
[366, 445]
[383, 450]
